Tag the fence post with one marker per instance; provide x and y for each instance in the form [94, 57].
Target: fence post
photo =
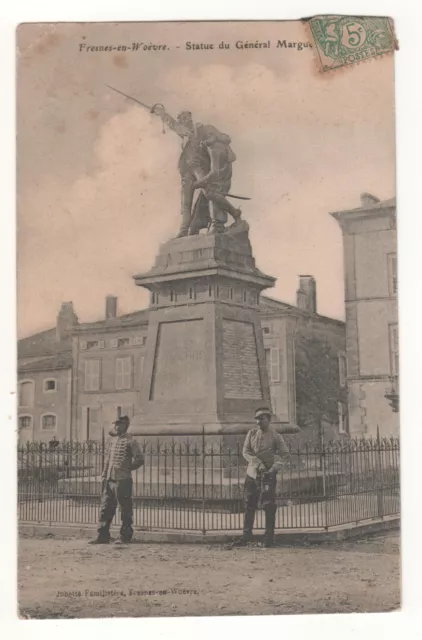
[204, 530]
[324, 491]
[379, 478]
[102, 450]
[324, 487]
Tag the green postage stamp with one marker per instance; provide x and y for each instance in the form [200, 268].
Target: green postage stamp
[340, 41]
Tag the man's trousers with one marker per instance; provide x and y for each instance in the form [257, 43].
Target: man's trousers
[253, 490]
[116, 492]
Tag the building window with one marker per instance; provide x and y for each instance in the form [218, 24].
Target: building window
[392, 273]
[92, 344]
[209, 290]
[394, 349]
[272, 361]
[141, 368]
[231, 293]
[26, 393]
[266, 330]
[48, 422]
[342, 418]
[92, 375]
[92, 422]
[342, 370]
[123, 342]
[50, 384]
[25, 422]
[123, 373]
[138, 341]
[244, 296]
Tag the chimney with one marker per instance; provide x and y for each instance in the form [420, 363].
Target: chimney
[67, 320]
[368, 200]
[111, 307]
[306, 294]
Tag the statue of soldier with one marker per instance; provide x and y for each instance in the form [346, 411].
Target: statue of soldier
[205, 163]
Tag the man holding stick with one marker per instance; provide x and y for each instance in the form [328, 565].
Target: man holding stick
[262, 449]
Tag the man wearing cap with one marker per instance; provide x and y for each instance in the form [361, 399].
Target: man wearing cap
[124, 456]
[262, 449]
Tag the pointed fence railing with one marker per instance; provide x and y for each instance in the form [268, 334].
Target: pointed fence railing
[197, 483]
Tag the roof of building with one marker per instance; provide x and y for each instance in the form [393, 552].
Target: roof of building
[41, 344]
[129, 319]
[271, 304]
[369, 204]
[62, 361]
[45, 343]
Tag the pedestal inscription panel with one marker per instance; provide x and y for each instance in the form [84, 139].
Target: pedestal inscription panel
[179, 366]
[240, 361]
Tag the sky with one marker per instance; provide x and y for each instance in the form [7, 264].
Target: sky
[97, 183]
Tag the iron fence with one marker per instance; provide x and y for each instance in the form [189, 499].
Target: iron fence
[197, 484]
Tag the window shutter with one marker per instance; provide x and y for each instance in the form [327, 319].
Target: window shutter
[119, 373]
[141, 368]
[113, 343]
[91, 423]
[275, 364]
[392, 273]
[342, 370]
[342, 417]
[26, 393]
[127, 373]
[394, 349]
[83, 345]
[101, 344]
[92, 375]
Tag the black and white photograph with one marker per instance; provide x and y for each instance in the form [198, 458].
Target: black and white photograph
[208, 340]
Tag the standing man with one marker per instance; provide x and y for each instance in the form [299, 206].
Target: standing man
[124, 456]
[262, 450]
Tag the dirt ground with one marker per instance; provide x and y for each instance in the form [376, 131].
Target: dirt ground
[67, 578]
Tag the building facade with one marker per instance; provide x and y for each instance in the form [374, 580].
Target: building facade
[45, 381]
[370, 269]
[108, 359]
[306, 363]
[105, 367]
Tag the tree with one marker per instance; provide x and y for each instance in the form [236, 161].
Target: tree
[317, 381]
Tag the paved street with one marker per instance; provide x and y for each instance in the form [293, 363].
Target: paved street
[67, 578]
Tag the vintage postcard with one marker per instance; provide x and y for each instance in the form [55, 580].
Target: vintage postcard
[208, 362]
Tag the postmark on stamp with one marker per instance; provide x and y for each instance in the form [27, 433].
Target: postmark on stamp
[341, 41]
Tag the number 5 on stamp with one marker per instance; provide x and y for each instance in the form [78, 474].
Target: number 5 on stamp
[340, 41]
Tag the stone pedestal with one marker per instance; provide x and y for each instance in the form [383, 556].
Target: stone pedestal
[205, 362]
